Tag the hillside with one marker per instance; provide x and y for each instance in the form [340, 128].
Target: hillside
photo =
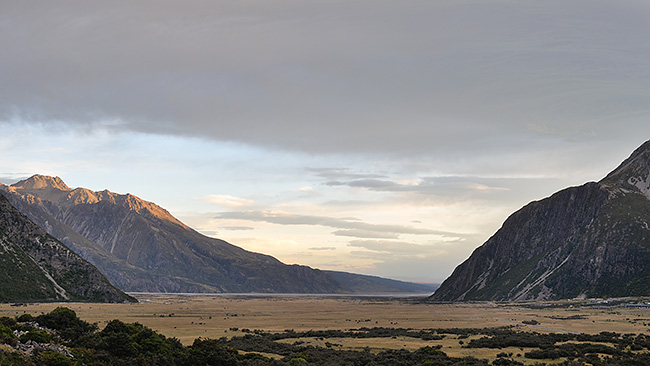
[592, 240]
[140, 246]
[36, 267]
[357, 283]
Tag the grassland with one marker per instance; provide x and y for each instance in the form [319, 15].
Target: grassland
[188, 317]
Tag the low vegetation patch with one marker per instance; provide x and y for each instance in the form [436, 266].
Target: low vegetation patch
[61, 338]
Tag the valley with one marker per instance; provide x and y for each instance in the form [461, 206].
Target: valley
[188, 317]
[502, 306]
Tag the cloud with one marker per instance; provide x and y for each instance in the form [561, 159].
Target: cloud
[543, 129]
[282, 218]
[394, 247]
[410, 261]
[333, 174]
[322, 248]
[209, 232]
[484, 188]
[438, 103]
[238, 228]
[372, 184]
[371, 234]
[444, 185]
[228, 201]
[331, 77]
[11, 179]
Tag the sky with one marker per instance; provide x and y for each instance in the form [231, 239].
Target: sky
[380, 137]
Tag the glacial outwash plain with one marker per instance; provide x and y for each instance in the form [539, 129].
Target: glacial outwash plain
[381, 324]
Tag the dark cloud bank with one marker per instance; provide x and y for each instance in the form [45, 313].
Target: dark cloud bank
[332, 76]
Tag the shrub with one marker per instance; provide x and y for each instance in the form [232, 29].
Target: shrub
[51, 358]
[5, 320]
[297, 361]
[5, 333]
[116, 339]
[210, 352]
[39, 336]
[506, 362]
[66, 322]
[25, 318]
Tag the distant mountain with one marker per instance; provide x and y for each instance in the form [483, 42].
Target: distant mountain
[592, 241]
[140, 246]
[356, 283]
[34, 266]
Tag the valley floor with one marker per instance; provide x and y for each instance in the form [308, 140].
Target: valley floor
[188, 317]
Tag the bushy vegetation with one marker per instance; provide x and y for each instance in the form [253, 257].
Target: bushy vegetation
[60, 338]
[502, 338]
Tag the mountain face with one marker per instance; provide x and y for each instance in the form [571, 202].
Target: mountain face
[356, 283]
[592, 240]
[140, 246]
[36, 267]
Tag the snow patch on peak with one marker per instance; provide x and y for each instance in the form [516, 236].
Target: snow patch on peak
[642, 184]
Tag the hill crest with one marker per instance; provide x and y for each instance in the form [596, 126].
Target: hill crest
[54, 189]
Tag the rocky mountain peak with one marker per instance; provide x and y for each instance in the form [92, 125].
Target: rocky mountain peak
[136, 204]
[633, 174]
[43, 182]
[53, 189]
[82, 195]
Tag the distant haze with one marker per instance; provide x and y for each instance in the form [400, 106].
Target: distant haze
[381, 137]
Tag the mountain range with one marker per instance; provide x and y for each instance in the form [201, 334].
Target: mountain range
[141, 247]
[587, 241]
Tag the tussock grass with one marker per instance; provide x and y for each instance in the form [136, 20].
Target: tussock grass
[188, 317]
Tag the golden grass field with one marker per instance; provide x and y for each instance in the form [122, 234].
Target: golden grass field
[188, 317]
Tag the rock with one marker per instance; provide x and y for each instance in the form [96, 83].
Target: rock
[587, 241]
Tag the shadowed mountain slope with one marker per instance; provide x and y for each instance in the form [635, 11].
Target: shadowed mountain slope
[357, 283]
[592, 240]
[139, 246]
[34, 266]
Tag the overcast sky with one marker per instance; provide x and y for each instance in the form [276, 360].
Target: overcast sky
[380, 137]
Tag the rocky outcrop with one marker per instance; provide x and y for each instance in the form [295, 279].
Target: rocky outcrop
[37, 267]
[592, 241]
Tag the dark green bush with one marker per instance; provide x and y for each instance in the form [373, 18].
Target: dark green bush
[5, 333]
[25, 318]
[5, 320]
[65, 321]
[39, 336]
[51, 358]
